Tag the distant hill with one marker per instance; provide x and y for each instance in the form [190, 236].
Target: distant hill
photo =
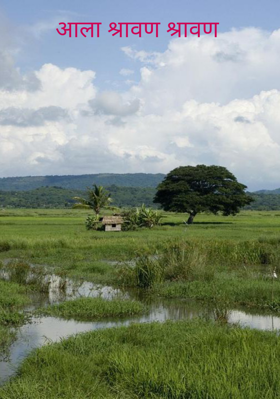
[264, 202]
[81, 182]
[57, 197]
[276, 191]
[130, 189]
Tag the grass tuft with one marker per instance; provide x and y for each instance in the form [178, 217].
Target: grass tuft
[87, 309]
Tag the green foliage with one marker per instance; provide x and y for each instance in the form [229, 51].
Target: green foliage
[218, 271]
[141, 217]
[131, 219]
[18, 271]
[246, 246]
[97, 198]
[93, 309]
[4, 246]
[174, 360]
[236, 291]
[12, 298]
[148, 217]
[43, 197]
[12, 295]
[11, 318]
[147, 272]
[264, 202]
[7, 337]
[92, 222]
[57, 197]
[175, 262]
[195, 189]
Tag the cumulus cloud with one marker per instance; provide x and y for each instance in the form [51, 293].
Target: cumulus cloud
[28, 117]
[111, 103]
[236, 64]
[203, 100]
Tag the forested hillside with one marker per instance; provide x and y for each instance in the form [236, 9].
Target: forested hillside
[81, 182]
[58, 197]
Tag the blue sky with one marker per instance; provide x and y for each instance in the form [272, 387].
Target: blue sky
[103, 55]
[109, 104]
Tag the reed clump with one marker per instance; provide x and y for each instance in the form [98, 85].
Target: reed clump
[195, 260]
[12, 299]
[240, 273]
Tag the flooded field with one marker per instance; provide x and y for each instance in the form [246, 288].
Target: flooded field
[41, 331]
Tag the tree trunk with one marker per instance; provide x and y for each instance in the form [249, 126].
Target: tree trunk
[191, 217]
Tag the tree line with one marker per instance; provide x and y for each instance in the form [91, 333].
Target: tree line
[184, 194]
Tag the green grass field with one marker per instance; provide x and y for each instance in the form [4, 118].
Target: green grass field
[49, 235]
[69, 224]
[228, 261]
[243, 248]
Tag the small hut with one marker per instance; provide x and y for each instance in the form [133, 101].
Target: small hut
[112, 223]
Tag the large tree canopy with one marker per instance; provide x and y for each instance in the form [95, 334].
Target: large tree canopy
[194, 189]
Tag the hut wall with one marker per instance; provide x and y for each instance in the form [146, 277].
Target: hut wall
[110, 227]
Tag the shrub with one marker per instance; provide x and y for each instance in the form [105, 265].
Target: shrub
[92, 222]
[141, 217]
[4, 246]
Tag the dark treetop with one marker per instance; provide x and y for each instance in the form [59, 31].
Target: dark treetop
[194, 189]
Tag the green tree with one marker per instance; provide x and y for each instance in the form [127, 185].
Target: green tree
[97, 198]
[195, 189]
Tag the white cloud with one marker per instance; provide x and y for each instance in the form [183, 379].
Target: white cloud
[111, 103]
[27, 117]
[236, 64]
[207, 100]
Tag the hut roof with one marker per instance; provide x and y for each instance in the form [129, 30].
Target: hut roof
[112, 220]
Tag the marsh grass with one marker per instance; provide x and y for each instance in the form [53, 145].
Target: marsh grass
[236, 291]
[11, 317]
[197, 260]
[215, 249]
[236, 272]
[12, 295]
[5, 246]
[18, 271]
[87, 309]
[12, 299]
[99, 272]
[176, 360]
[7, 336]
